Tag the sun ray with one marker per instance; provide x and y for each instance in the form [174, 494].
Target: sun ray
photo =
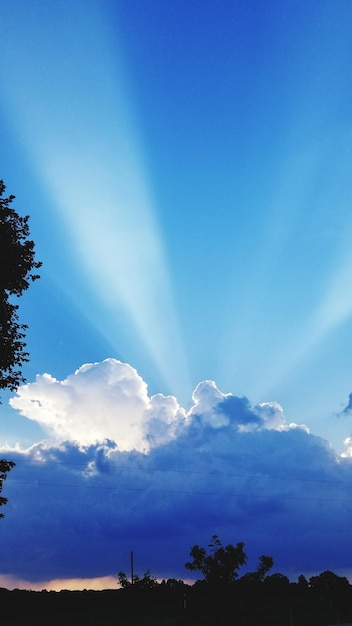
[84, 141]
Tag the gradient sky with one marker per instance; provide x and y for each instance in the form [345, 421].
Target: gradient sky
[186, 167]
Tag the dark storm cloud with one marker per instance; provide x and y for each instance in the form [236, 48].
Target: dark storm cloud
[77, 511]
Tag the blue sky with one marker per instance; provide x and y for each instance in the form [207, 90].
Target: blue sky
[186, 169]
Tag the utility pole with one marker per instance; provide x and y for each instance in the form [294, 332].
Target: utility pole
[132, 576]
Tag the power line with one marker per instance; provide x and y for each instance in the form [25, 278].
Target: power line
[217, 473]
[153, 489]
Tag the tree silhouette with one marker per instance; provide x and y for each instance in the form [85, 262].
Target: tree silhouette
[141, 582]
[328, 582]
[220, 564]
[16, 274]
[265, 564]
[5, 467]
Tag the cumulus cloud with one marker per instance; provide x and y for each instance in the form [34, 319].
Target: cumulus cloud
[163, 479]
[109, 400]
[216, 409]
[100, 400]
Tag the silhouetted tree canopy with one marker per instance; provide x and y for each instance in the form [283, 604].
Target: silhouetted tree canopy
[5, 467]
[328, 582]
[265, 564]
[220, 564]
[16, 274]
[141, 582]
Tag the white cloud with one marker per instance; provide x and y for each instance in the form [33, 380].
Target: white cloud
[164, 420]
[107, 400]
[272, 415]
[347, 453]
[206, 397]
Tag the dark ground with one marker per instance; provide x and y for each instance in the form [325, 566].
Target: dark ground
[277, 604]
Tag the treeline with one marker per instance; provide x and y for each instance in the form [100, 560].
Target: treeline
[251, 600]
[274, 601]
